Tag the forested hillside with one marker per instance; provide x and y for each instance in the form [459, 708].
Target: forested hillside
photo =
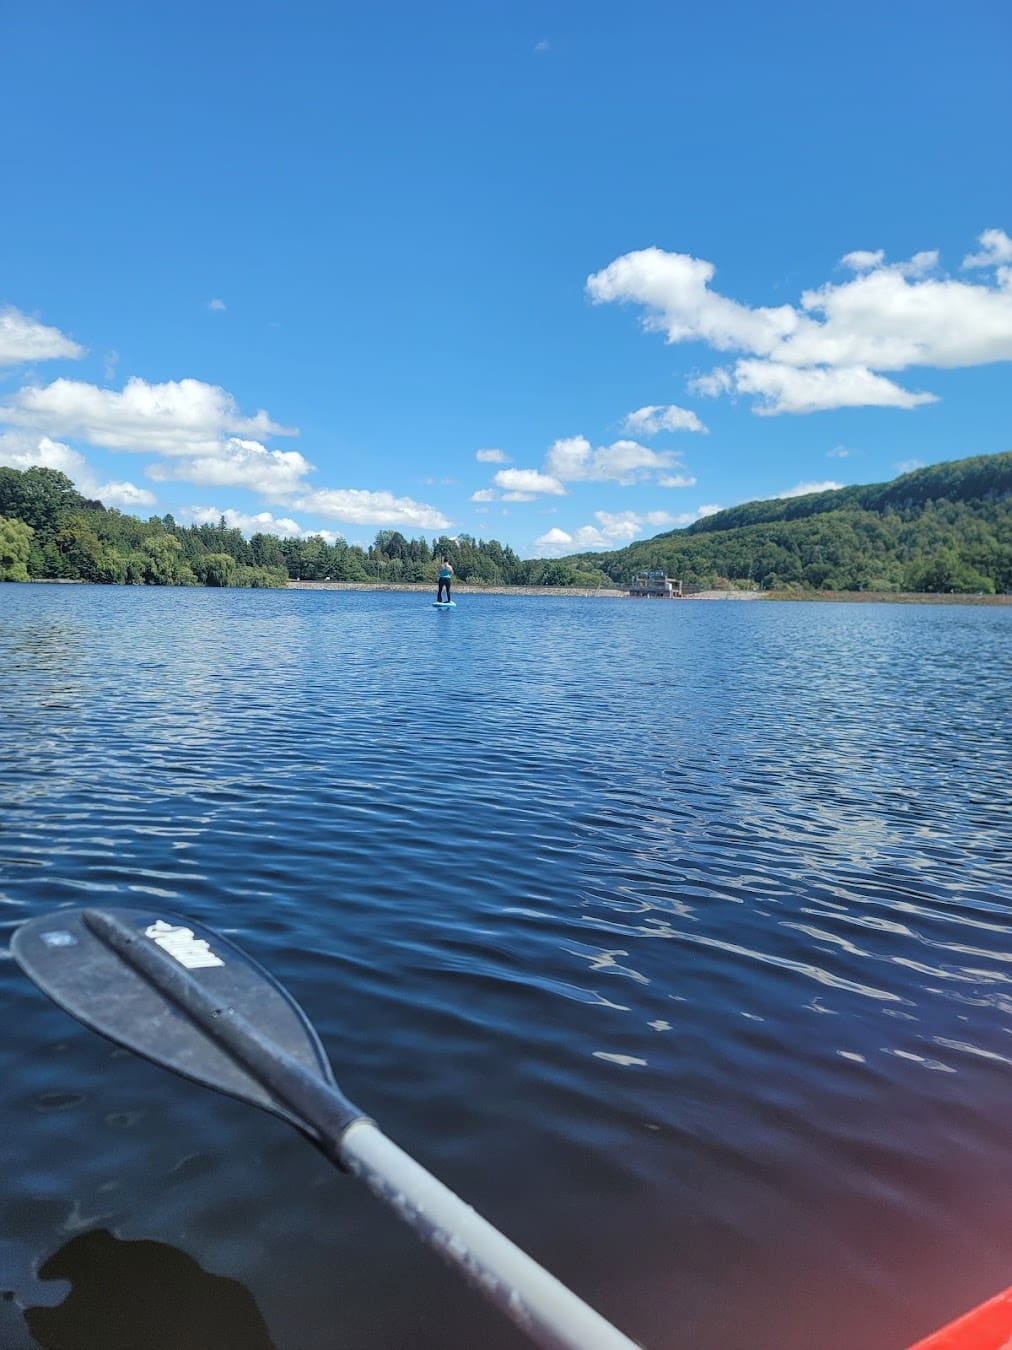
[946, 528]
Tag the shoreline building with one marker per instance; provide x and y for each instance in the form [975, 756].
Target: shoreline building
[655, 585]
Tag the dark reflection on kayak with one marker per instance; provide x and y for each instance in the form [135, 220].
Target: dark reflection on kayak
[125, 1295]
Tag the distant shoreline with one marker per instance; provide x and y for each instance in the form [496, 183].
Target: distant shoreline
[424, 587]
[612, 593]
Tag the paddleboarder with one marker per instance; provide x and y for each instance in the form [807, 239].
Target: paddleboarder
[445, 574]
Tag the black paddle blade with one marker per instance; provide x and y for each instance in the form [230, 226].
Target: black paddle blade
[173, 991]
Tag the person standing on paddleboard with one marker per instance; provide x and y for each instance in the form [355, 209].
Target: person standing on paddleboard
[445, 573]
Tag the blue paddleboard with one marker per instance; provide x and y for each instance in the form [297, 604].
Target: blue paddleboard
[444, 604]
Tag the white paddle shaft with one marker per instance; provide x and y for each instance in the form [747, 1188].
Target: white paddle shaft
[541, 1305]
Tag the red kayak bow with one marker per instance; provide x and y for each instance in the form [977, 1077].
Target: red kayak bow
[988, 1327]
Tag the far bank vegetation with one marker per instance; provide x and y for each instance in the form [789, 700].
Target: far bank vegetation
[944, 529]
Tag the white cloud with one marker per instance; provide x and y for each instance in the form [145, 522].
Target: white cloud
[839, 452]
[359, 507]
[619, 526]
[542, 46]
[888, 317]
[528, 481]
[123, 495]
[180, 417]
[555, 538]
[996, 249]
[674, 288]
[650, 420]
[611, 531]
[204, 439]
[676, 480]
[25, 339]
[274, 474]
[779, 388]
[491, 457]
[909, 465]
[719, 381]
[572, 459]
[216, 304]
[625, 462]
[862, 260]
[805, 489]
[261, 522]
[23, 450]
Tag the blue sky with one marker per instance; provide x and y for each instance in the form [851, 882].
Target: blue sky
[564, 275]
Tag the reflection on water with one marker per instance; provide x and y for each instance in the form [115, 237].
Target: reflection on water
[676, 937]
[142, 1296]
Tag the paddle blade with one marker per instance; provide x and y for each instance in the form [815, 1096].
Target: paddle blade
[78, 968]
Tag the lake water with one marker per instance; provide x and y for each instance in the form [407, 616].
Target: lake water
[676, 937]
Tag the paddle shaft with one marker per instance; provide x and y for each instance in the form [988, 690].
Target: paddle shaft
[553, 1316]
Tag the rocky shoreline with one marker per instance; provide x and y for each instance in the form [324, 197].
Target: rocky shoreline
[610, 593]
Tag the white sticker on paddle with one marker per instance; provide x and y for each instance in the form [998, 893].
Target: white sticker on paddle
[192, 952]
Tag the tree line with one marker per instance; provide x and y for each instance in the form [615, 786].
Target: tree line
[944, 528]
[49, 531]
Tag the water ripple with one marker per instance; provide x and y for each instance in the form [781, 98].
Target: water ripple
[676, 937]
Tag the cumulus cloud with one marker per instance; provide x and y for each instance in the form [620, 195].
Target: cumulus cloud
[573, 460]
[995, 251]
[529, 482]
[124, 495]
[179, 417]
[554, 539]
[25, 339]
[491, 457]
[201, 436]
[676, 480]
[838, 338]
[359, 507]
[718, 381]
[23, 450]
[217, 305]
[611, 530]
[779, 388]
[839, 452]
[261, 522]
[805, 489]
[274, 474]
[650, 420]
[862, 260]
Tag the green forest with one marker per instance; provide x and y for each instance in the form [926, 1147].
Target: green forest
[947, 528]
[940, 529]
